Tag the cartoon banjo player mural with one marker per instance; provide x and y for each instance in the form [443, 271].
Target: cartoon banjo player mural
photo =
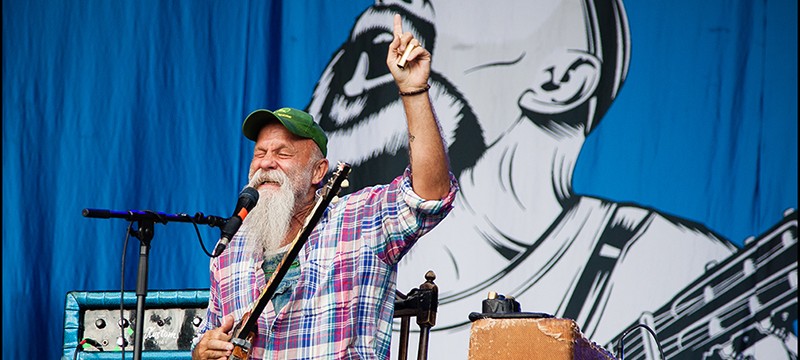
[516, 96]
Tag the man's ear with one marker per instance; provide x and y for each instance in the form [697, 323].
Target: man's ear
[568, 82]
[320, 169]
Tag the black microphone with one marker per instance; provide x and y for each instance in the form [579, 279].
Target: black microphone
[247, 200]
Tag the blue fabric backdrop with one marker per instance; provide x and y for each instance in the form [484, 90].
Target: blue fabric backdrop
[137, 105]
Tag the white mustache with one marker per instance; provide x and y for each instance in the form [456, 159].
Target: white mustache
[262, 177]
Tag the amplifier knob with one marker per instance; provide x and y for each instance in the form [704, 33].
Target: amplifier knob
[121, 342]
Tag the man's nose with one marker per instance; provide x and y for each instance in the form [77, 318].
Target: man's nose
[268, 163]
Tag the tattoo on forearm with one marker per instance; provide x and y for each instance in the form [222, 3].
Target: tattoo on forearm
[410, 140]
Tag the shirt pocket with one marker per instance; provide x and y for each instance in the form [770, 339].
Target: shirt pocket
[330, 285]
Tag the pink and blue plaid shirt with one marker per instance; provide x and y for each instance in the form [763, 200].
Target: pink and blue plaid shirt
[343, 303]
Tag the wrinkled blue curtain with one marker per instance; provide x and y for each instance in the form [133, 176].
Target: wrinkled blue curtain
[134, 105]
[711, 97]
[137, 105]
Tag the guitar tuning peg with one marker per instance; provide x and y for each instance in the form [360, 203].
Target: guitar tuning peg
[335, 200]
[345, 184]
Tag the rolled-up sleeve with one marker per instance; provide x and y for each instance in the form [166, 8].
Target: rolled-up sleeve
[406, 216]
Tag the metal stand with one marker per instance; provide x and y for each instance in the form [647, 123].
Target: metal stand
[422, 303]
[144, 232]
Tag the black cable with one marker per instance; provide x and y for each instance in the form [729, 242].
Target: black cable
[81, 343]
[621, 341]
[122, 288]
[77, 348]
[199, 237]
[93, 343]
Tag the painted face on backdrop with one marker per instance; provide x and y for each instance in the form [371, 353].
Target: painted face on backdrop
[357, 104]
[515, 85]
[517, 61]
[493, 67]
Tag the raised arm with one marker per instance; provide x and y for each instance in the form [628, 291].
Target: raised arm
[429, 163]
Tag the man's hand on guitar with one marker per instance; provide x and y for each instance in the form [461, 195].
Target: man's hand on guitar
[215, 343]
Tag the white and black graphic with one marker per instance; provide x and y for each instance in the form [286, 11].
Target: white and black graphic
[517, 87]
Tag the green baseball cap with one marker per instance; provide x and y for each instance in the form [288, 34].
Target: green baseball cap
[298, 122]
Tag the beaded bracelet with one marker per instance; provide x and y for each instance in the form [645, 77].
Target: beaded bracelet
[416, 92]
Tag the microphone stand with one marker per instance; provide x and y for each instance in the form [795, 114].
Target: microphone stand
[144, 232]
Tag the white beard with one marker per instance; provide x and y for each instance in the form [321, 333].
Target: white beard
[269, 220]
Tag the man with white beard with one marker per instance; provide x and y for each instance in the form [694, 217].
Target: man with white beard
[269, 220]
[336, 301]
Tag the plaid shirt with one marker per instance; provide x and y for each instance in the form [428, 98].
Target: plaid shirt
[343, 303]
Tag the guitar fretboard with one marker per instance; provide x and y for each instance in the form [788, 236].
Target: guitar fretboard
[725, 311]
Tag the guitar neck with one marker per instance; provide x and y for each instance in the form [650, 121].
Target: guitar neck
[725, 310]
[283, 267]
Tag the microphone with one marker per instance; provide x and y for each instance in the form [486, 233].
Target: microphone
[247, 200]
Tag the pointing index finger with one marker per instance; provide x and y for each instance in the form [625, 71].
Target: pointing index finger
[398, 26]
